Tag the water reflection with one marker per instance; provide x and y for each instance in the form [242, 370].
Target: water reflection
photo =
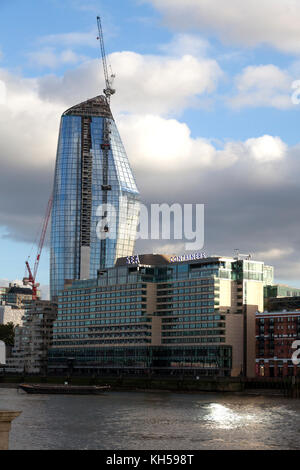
[158, 421]
[224, 417]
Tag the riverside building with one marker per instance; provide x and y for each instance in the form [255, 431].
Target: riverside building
[14, 301]
[33, 339]
[275, 334]
[92, 169]
[282, 297]
[16, 296]
[161, 314]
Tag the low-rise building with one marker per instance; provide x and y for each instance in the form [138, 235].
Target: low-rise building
[162, 314]
[281, 297]
[9, 314]
[33, 339]
[276, 333]
[16, 296]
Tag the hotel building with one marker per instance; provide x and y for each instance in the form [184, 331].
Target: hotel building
[161, 314]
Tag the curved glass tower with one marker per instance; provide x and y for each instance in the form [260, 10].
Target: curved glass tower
[95, 198]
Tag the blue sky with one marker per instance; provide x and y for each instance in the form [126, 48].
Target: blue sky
[242, 93]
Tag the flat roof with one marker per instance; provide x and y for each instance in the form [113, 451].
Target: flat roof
[163, 260]
[278, 313]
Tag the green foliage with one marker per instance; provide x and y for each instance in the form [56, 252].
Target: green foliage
[7, 333]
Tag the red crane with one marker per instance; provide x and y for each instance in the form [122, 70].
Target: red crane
[31, 279]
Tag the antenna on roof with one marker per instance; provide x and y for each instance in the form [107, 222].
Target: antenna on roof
[239, 255]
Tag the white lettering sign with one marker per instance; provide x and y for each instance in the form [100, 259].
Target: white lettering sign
[133, 260]
[196, 256]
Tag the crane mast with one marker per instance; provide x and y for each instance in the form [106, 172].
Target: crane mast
[31, 279]
[108, 90]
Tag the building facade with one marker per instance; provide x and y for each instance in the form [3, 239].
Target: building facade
[14, 301]
[33, 339]
[95, 198]
[162, 314]
[276, 333]
[16, 296]
[281, 290]
[281, 297]
[10, 314]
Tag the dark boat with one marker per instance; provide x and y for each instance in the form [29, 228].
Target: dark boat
[65, 389]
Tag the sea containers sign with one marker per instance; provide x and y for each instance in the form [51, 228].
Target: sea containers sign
[173, 259]
[2, 353]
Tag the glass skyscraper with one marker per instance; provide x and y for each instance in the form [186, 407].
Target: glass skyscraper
[95, 198]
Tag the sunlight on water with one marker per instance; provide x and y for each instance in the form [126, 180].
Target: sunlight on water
[225, 418]
[158, 421]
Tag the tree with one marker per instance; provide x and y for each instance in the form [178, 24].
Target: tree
[7, 333]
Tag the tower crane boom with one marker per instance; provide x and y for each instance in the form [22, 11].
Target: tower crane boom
[31, 279]
[108, 90]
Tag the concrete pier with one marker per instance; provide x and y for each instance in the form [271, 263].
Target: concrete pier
[6, 417]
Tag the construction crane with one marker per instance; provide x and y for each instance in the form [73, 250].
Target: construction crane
[31, 279]
[108, 90]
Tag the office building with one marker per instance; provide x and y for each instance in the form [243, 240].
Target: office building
[162, 314]
[92, 170]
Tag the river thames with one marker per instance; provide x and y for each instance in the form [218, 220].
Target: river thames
[152, 421]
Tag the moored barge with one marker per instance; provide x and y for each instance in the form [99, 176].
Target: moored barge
[65, 389]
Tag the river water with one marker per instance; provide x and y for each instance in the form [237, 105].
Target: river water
[152, 421]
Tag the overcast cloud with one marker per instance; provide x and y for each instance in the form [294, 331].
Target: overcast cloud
[250, 188]
[247, 23]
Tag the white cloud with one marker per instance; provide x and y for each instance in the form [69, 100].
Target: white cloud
[170, 248]
[45, 292]
[264, 85]
[274, 254]
[71, 39]
[247, 22]
[145, 84]
[148, 84]
[242, 183]
[50, 58]
[2, 92]
[266, 149]
[155, 142]
[28, 124]
[186, 44]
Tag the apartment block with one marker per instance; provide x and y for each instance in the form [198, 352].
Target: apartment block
[33, 339]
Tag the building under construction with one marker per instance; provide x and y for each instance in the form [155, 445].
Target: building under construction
[92, 170]
[95, 198]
